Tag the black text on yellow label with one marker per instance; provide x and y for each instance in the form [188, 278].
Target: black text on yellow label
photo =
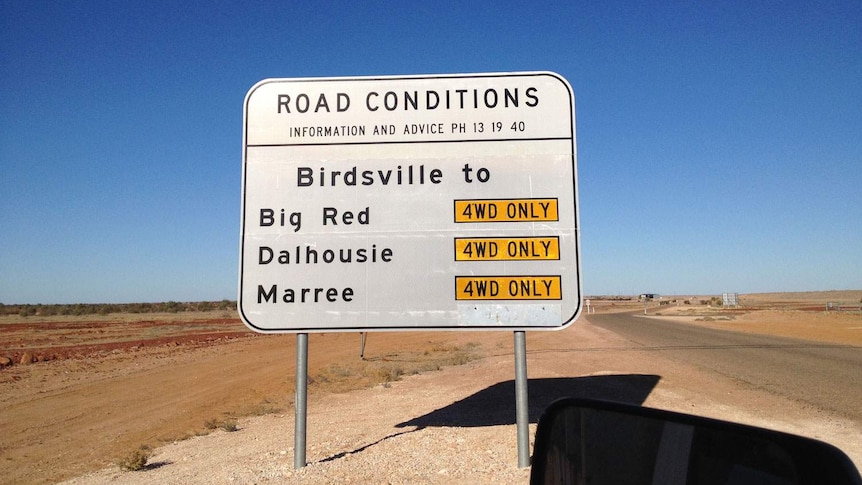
[506, 210]
[507, 249]
[508, 288]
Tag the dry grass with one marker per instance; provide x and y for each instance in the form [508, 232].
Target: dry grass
[136, 459]
[228, 424]
[391, 367]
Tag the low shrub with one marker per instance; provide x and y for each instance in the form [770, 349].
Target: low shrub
[227, 424]
[136, 460]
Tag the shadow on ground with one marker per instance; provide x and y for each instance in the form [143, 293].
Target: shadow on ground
[495, 405]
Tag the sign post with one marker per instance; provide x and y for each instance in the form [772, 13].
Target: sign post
[301, 401]
[442, 202]
[522, 405]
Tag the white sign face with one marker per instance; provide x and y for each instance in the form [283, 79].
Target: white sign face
[409, 203]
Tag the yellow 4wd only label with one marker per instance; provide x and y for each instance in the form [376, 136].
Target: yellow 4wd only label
[542, 248]
[508, 288]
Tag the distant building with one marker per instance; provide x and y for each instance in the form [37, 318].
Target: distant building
[730, 299]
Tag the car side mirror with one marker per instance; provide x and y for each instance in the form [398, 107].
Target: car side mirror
[584, 442]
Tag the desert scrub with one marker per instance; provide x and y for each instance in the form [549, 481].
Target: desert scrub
[226, 424]
[389, 367]
[135, 460]
[389, 373]
[266, 406]
[333, 374]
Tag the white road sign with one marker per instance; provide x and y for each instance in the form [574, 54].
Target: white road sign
[412, 202]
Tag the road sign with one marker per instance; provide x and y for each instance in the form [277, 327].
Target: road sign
[409, 202]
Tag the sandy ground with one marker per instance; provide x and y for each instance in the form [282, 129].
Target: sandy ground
[76, 416]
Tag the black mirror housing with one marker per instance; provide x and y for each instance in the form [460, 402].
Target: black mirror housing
[580, 442]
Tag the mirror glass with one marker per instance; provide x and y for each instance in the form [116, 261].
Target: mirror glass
[587, 442]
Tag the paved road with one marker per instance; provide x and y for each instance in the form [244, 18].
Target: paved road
[824, 375]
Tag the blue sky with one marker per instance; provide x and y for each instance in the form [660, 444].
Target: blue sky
[719, 143]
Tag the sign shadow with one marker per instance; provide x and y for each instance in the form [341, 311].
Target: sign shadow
[495, 405]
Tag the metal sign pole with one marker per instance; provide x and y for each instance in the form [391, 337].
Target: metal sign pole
[300, 405]
[521, 402]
